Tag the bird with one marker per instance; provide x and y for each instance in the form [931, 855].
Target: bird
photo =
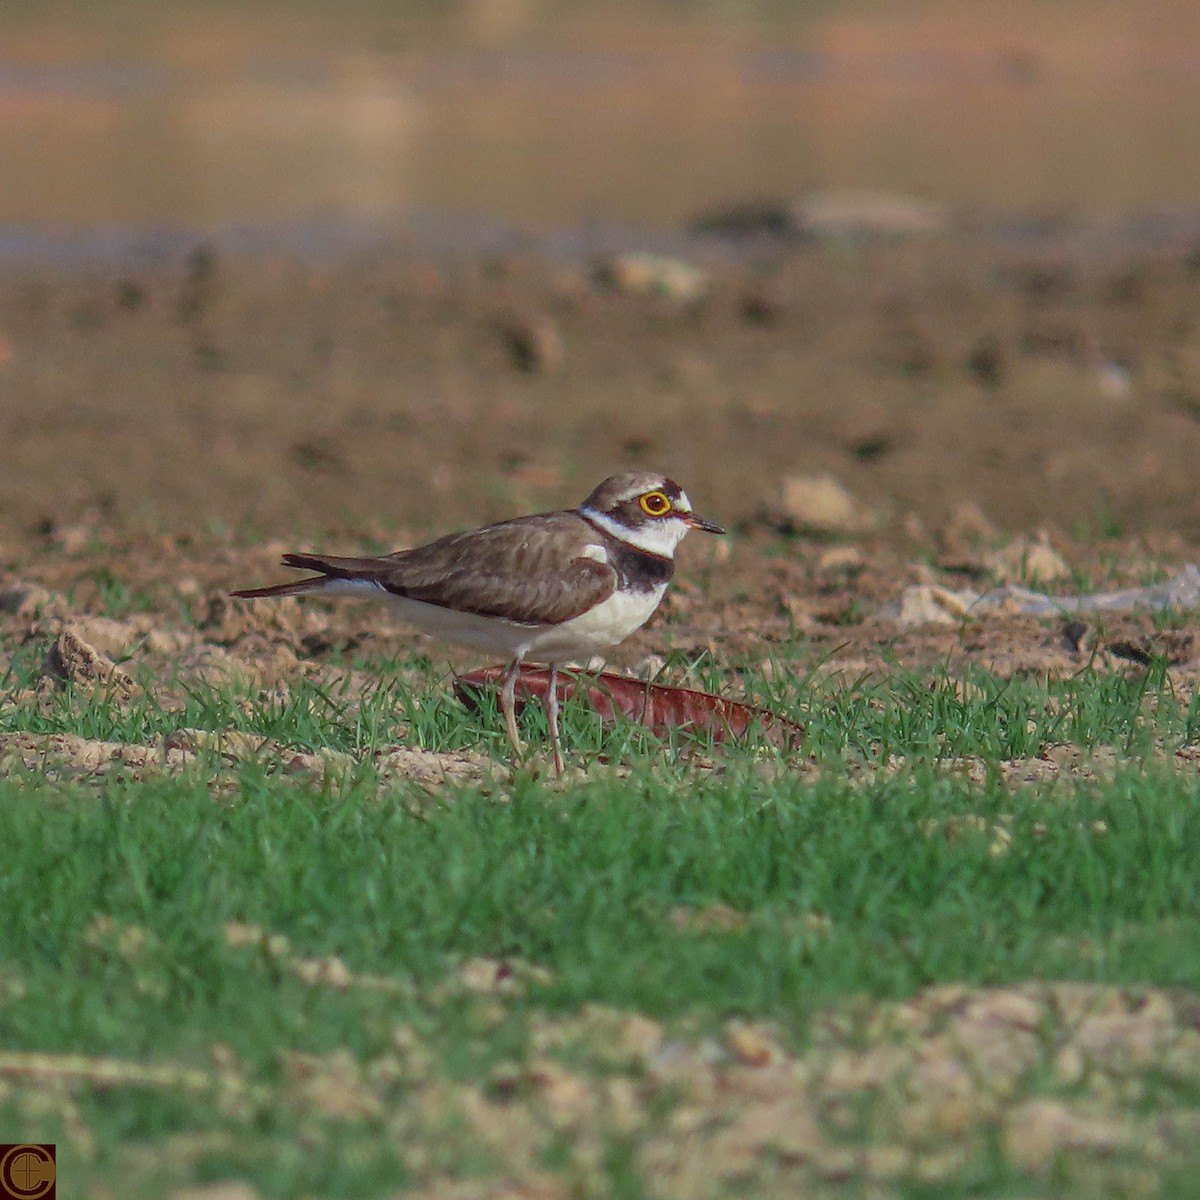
[550, 588]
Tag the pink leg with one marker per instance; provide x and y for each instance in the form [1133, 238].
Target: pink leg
[552, 716]
[508, 705]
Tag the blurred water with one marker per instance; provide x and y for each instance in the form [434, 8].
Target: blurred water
[344, 123]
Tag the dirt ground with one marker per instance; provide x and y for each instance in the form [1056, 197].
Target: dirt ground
[866, 414]
[887, 426]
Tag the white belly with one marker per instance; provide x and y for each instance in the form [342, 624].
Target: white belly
[579, 638]
[600, 629]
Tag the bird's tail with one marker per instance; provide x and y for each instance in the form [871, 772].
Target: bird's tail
[333, 570]
[299, 587]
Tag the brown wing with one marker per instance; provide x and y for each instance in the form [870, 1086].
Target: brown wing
[531, 570]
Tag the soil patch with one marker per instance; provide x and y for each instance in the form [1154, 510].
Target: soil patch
[406, 393]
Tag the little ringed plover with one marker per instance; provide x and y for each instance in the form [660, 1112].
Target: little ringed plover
[550, 588]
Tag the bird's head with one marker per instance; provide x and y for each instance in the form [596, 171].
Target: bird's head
[646, 510]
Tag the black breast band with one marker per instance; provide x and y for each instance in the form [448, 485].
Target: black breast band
[638, 569]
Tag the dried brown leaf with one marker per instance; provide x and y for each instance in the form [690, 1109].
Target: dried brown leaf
[657, 706]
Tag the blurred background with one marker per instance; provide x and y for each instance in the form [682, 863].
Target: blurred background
[304, 264]
[550, 113]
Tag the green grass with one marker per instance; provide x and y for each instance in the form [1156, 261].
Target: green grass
[932, 717]
[584, 883]
[862, 871]
[581, 884]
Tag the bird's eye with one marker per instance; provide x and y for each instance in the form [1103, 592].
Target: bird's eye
[655, 504]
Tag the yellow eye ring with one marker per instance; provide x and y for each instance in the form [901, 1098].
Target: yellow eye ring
[655, 504]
